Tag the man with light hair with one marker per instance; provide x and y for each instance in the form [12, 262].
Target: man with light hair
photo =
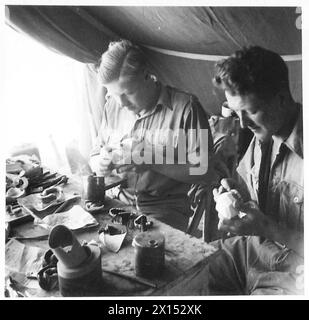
[155, 135]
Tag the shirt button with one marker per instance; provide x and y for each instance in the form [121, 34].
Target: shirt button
[296, 199]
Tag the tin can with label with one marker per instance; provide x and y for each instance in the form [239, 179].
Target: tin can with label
[149, 254]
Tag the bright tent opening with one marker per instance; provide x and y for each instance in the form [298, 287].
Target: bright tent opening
[42, 99]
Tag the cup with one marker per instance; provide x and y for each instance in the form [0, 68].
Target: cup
[93, 188]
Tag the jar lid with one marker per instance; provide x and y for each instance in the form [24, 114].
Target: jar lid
[148, 239]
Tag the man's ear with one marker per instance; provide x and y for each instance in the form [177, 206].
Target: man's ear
[282, 98]
[148, 75]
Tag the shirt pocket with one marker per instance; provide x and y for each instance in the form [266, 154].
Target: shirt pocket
[253, 180]
[291, 204]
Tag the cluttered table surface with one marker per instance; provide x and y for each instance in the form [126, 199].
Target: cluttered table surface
[109, 228]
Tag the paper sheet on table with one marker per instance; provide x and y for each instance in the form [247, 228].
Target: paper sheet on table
[20, 261]
[75, 218]
[21, 258]
[112, 242]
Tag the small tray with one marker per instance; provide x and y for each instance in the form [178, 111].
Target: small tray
[32, 204]
[92, 207]
[18, 218]
[34, 201]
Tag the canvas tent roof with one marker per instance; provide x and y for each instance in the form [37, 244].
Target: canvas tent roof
[181, 43]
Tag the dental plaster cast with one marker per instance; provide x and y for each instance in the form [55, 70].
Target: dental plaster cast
[227, 205]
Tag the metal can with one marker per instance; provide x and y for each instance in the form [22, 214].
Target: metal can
[149, 254]
[93, 188]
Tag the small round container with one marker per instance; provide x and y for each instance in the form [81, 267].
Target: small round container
[226, 111]
[149, 254]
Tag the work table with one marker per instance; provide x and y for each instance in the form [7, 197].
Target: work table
[186, 257]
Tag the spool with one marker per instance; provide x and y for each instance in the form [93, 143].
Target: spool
[79, 267]
[149, 254]
[66, 247]
[84, 280]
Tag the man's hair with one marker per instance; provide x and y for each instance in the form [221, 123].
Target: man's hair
[252, 70]
[121, 59]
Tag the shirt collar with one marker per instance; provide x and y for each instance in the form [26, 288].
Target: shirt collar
[294, 140]
[163, 101]
[164, 97]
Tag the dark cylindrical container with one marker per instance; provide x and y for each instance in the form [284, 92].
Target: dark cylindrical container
[149, 254]
[94, 188]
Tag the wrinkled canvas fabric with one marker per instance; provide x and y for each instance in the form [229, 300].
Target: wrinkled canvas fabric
[254, 265]
[83, 33]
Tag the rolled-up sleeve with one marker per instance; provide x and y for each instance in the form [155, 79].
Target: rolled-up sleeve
[196, 126]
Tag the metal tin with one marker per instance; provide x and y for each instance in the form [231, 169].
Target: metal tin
[94, 188]
[149, 254]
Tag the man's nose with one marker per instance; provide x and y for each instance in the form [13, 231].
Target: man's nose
[123, 100]
[243, 119]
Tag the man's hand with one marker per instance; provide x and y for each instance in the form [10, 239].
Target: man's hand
[128, 162]
[235, 216]
[254, 222]
[226, 185]
[102, 164]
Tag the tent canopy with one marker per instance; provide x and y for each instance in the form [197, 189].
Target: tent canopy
[194, 36]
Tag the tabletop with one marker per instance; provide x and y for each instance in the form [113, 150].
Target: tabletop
[186, 257]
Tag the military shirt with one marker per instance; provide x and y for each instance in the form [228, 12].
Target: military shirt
[285, 187]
